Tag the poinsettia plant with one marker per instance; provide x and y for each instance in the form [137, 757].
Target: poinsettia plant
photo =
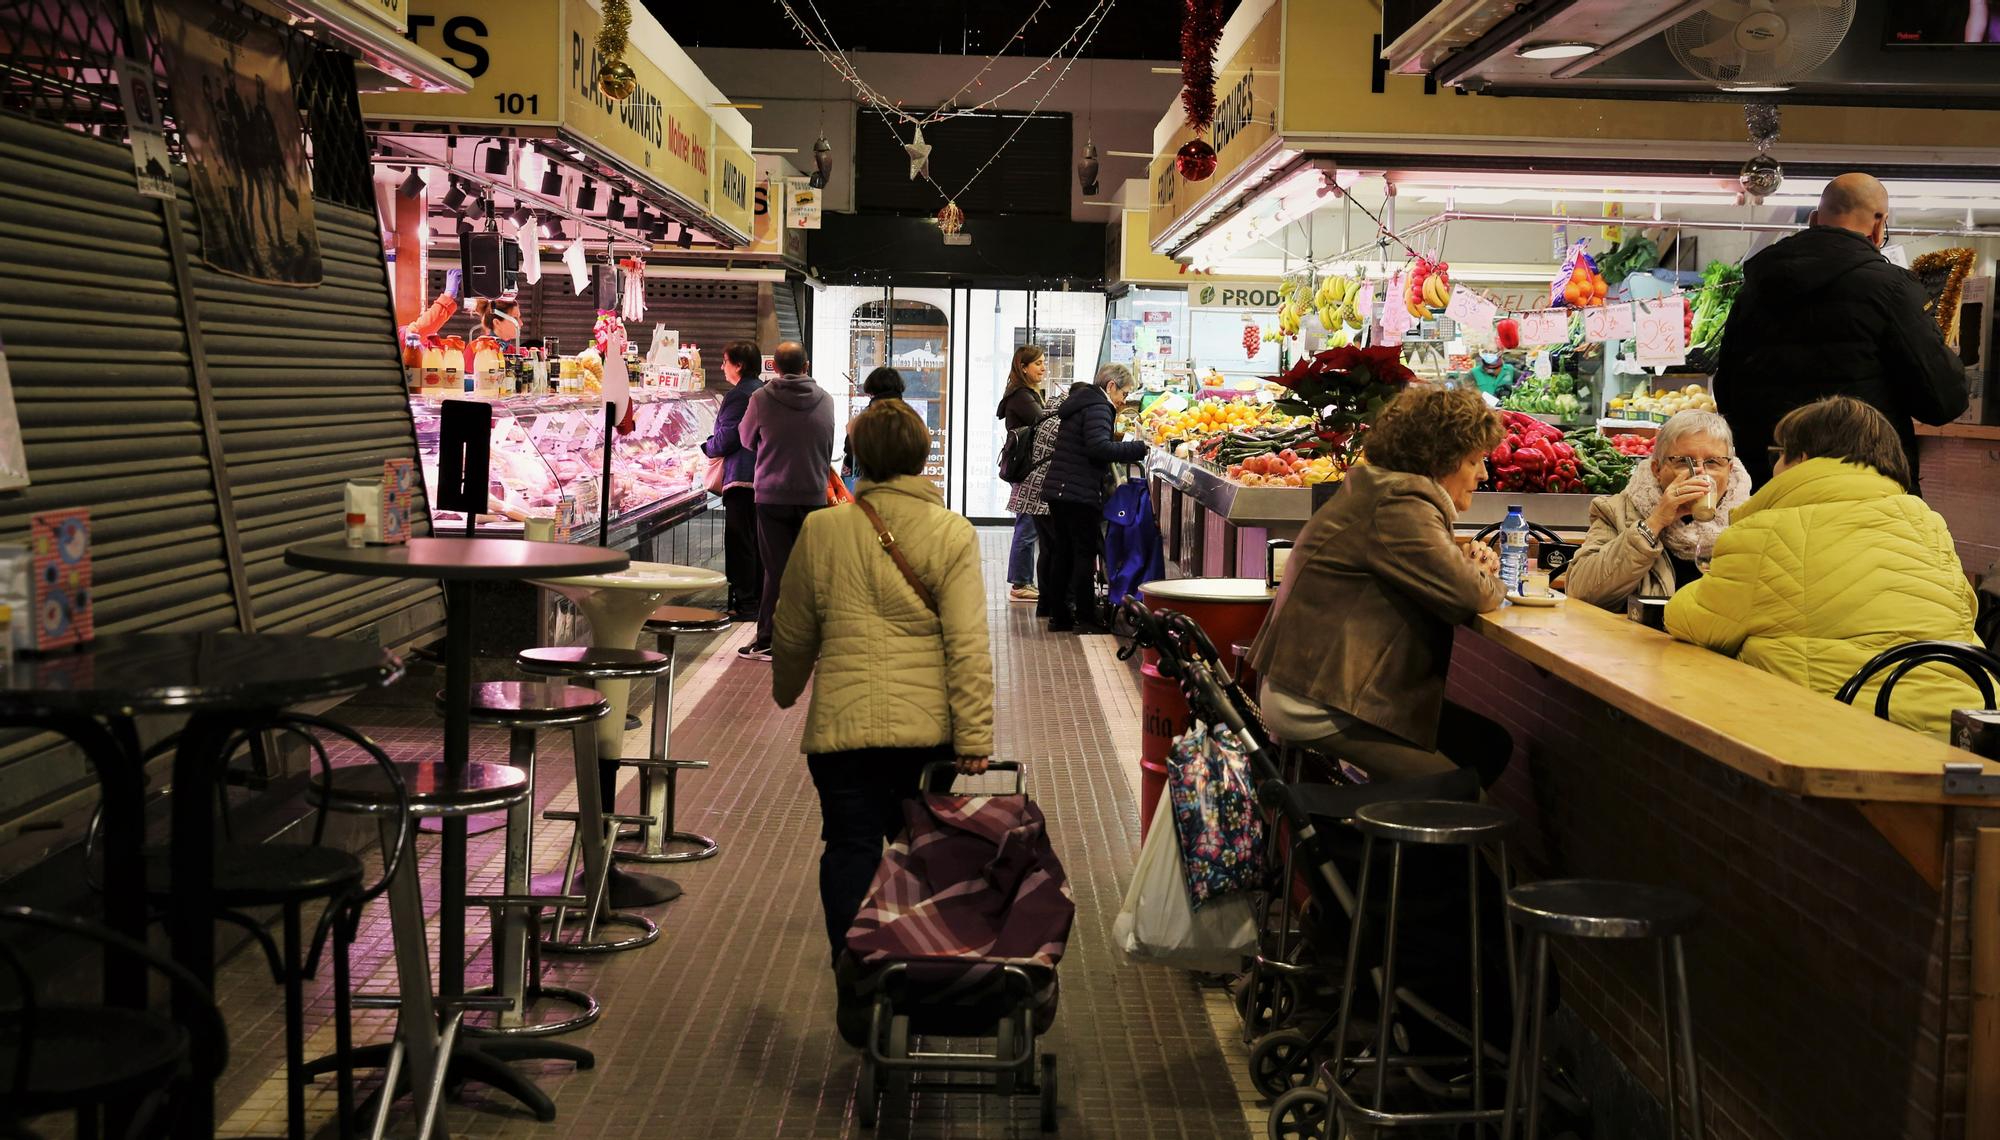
[1343, 389]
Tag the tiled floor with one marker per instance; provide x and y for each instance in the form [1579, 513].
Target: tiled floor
[724, 1028]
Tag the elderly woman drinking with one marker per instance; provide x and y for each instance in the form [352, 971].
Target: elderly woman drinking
[1653, 537]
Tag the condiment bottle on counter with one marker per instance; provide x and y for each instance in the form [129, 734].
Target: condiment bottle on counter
[413, 366]
[454, 365]
[433, 367]
[487, 363]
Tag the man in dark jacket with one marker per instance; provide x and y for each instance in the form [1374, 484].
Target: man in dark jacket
[740, 363]
[1086, 447]
[789, 424]
[1823, 313]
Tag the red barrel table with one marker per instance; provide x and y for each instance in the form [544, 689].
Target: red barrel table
[1230, 611]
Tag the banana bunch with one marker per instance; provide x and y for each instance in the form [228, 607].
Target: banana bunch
[1429, 288]
[1335, 299]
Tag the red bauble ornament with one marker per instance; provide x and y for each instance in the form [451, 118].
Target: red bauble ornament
[1195, 160]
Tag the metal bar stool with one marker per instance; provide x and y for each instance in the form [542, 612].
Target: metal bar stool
[1470, 826]
[396, 795]
[524, 708]
[658, 774]
[596, 823]
[1603, 909]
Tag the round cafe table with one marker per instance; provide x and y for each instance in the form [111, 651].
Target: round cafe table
[617, 605]
[223, 682]
[457, 563]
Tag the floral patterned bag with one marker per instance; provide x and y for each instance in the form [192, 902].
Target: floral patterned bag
[1215, 814]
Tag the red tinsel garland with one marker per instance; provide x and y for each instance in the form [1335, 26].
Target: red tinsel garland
[1201, 31]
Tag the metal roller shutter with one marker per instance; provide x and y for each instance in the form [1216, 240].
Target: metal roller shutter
[710, 313]
[308, 394]
[92, 327]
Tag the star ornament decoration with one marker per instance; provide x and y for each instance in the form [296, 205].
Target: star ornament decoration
[920, 154]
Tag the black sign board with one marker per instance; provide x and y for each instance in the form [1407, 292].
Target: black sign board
[465, 447]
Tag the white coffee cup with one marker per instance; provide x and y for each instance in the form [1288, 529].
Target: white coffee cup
[1535, 584]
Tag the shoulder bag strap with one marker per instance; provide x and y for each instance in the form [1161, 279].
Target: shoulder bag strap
[889, 544]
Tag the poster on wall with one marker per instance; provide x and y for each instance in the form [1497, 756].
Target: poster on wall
[802, 205]
[152, 165]
[13, 457]
[232, 96]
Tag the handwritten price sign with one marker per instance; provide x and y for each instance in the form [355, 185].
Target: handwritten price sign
[1607, 323]
[1662, 332]
[1545, 326]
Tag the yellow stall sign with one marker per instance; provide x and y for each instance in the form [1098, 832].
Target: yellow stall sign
[534, 66]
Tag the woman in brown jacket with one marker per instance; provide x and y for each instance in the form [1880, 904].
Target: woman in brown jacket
[1354, 652]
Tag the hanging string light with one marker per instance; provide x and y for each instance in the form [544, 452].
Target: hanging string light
[820, 38]
[1101, 13]
[615, 77]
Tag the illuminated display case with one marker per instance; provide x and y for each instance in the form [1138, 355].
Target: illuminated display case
[548, 448]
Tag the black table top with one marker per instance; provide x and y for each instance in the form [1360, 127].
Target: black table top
[458, 559]
[192, 672]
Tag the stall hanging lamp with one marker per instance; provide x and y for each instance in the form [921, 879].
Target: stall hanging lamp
[498, 160]
[1086, 168]
[822, 162]
[520, 215]
[454, 198]
[586, 197]
[552, 182]
[687, 238]
[413, 186]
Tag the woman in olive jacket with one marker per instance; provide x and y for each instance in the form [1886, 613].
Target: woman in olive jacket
[1354, 652]
[897, 685]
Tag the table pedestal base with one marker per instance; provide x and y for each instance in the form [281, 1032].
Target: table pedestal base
[484, 1061]
[625, 890]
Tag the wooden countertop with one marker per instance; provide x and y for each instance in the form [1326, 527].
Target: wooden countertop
[1761, 725]
[1962, 431]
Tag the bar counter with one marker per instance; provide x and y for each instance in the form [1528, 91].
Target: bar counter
[1833, 973]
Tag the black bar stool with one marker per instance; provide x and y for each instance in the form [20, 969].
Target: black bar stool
[1437, 823]
[596, 823]
[286, 875]
[1603, 909]
[658, 772]
[67, 1056]
[395, 796]
[524, 708]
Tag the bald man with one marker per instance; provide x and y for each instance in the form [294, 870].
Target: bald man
[1823, 313]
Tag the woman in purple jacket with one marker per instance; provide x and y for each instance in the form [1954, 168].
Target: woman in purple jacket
[740, 362]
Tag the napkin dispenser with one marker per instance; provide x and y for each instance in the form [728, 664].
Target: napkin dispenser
[1649, 612]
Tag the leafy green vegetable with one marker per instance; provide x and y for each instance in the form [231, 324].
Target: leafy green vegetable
[1636, 254]
[1720, 284]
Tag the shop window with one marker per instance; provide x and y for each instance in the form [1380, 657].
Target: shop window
[914, 338]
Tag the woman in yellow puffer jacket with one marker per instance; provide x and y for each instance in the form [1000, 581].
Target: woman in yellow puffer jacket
[1831, 563]
[901, 683]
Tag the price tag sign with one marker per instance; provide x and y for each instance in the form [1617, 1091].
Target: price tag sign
[1545, 326]
[1472, 313]
[1662, 332]
[1607, 323]
[1463, 304]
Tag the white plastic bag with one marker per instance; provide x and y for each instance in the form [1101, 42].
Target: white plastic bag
[1157, 922]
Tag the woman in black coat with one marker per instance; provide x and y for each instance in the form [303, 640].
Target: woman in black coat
[1021, 406]
[1086, 447]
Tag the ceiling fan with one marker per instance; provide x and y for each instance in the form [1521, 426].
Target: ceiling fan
[1760, 43]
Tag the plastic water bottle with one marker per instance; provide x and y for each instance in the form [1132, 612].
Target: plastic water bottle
[1513, 550]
